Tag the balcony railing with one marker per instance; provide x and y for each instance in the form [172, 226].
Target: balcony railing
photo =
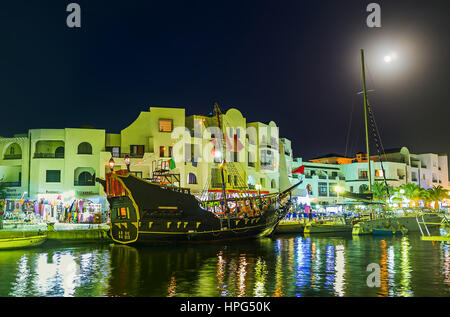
[48, 155]
[132, 155]
[12, 184]
[12, 156]
[89, 183]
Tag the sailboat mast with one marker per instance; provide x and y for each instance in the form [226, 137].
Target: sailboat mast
[224, 195]
[365, 118]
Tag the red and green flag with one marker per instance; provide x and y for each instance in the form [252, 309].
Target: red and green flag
[172, 164]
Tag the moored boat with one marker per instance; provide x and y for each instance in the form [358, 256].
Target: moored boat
[22, 242]
[327, 227]
[142, 211]
[160, 210]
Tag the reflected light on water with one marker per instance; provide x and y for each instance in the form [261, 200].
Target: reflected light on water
[242, 273]
[300, 266]
[405, 269]
[329, 278]
[278, 292]
[384, 290]
[316, 265]
[19, 287]
[303, 265]
[60, 274]
[446, 261]
[339, 271]
[260, 278]
[221, 263]
[391, 269]
[172, 287]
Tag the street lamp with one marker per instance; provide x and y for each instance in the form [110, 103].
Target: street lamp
[111, 164]
[339, 189]
[127, 162]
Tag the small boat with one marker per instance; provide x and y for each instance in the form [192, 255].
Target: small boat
[328, 227]
[22, 242]
[389, 232]
[290, 226]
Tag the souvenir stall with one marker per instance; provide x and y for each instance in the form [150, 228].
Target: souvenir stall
[81, 211]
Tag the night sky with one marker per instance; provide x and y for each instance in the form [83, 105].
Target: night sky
[294, 62]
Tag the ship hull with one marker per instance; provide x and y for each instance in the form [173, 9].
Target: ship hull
[218, 235]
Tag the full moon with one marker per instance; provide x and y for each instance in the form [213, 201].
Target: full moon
[388, 59]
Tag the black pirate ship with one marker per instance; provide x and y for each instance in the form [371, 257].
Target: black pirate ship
[154, 210]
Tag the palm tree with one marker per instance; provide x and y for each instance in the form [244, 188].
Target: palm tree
[437, 194]
[413, 192]
[379, 191]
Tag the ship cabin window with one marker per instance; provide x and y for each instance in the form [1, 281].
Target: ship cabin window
[165, 125]
[123, 213]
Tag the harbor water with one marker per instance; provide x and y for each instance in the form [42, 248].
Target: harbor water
[280, 266]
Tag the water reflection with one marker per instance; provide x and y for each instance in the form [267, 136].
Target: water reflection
[285, 266]
[339, 269]
[405, 268]
[60, 273]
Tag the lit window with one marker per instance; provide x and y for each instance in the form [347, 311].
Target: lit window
[379, 173]
[165, 125]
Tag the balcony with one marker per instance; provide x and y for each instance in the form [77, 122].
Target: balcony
[56, 155]
[12, 156]
[132, 155]
[12, 184]
[266, 166]
[363, 177]
[78, 183]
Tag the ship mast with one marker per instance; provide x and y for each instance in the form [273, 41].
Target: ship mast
[365, 119]
[224, 196]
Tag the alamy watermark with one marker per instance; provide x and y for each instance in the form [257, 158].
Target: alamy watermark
[374, 278]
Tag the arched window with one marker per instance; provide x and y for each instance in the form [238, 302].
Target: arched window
[192, 179]
[59, 152]
[85, 178]
[273, 183]
[363, 189]
[84, 148]
[13, 152]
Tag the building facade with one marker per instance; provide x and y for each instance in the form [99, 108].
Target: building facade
[63, 163]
